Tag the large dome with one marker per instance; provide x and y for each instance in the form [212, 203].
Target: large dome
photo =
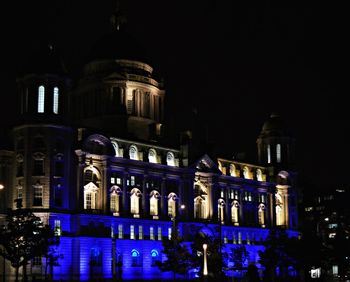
[117, 45]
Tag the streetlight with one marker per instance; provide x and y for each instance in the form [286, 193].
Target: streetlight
[4, 265]
[205, 267]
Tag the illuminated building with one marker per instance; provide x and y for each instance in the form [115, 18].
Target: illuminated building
[89, 160]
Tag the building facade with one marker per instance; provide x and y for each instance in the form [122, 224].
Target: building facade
[88, 159]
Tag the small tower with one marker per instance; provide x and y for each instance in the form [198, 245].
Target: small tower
[42, 137]
[275, 145]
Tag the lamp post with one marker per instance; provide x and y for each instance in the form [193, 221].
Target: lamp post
[205, 266]
[3, 265]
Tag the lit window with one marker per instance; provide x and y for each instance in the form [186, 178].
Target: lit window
[154, 257]
[120, 231]
[221, 211]
[268, 154]
[132, 180]
[248, 196]
[152, 156]
[169, 233]
[172, 205]
[55, 100]
[332, 235]
[135, 258]
[132, 232]
[159, 233]
[278, 153]
[140, 232]
[41, 99]
[116, 148]
[235, 212]
[259, 175]
[154, 203]
[115, 199]
[309, 209]
[133, 153]
[261, 215]
[170, 159]
[57, 229]
[38, 195]
[151, 233]
[135, 202]
[19, 192]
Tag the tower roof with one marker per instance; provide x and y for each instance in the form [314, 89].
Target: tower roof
[274, 126]
[43, 59]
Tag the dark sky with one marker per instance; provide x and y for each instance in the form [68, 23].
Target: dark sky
[234, 64]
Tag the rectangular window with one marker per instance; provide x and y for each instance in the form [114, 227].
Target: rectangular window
[38, 168]
[57, 230]
[19, 192]
[55, 100]
[36, 261]
[88, 201]
[159, 233]
[169, 233]
[248, 196]
[140, 232]
[119, 181]
[151, 233]
[58, 196]
[222, 193]
[19, 169]
[268, 154]
[38, 195]
[132, 180]
[278, 153]
[41, 99]
[262, 198]
[132, 232]
[59, 168]
[112, 180]
[120, 231]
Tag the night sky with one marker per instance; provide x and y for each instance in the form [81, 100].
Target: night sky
[234, 65]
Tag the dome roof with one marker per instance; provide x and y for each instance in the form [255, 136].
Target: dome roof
[44, 59]
[274, 126]
[117, 45]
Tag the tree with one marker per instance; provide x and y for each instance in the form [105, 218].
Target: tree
[278, 253]
[178, 257]
[23, 237]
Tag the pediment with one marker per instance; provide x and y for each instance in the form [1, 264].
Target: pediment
[90, 187]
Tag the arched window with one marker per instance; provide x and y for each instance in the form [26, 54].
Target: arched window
[268, 153]
[56, 95]
[201, 203]
[154, 257]
[279, 210]
[235, 212]
[172, 198]
[41, 99]
[278, 153]
[221, 210]
[91, 187]
[246, 173]
[95, 256]
[259, 175]
[135, 258]
[133, 153]
[135, 202]
[152, 156]
[261, 215]
[115, 193]
[116, 148]
[170, 159]
[233, 171]
[154, 199]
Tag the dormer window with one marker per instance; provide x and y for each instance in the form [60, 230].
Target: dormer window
[55, 100]
[152, 156]
[170, 159]
[133, 153]
[41, 99]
